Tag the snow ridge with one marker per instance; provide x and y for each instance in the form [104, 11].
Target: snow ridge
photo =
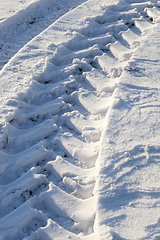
[51, 144]
[27, 23]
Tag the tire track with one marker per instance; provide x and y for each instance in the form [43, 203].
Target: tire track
[54, 135]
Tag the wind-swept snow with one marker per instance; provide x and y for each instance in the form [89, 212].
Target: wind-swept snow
[79, 142]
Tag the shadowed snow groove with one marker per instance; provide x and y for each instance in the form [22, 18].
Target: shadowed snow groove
[52, 140]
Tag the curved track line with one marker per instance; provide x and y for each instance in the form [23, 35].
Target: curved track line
[54, 135]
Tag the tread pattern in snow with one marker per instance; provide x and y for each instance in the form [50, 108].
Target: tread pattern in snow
[52, 142]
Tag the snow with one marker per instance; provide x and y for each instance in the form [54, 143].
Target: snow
[79, 120]
[25, 19]
[9, 8]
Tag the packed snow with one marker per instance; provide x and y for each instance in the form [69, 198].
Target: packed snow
[79, 120]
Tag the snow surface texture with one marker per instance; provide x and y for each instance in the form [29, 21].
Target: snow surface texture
[25, 19]
[9, 8]
[79, 127]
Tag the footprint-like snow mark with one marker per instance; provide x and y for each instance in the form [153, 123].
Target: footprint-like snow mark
[66, 205]
[38, 94]
[78, 181]
[28, 115]
[101, 105]
[21, 190]
[26, 218]
[21, 139]
[130, 37]
[120, 52]
[85, 53]
[13, 166]
[85, 153]
[52, 140]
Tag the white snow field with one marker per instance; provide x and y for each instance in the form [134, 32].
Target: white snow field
[79, 121]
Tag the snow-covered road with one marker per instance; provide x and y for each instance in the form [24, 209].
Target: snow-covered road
[79, 123]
